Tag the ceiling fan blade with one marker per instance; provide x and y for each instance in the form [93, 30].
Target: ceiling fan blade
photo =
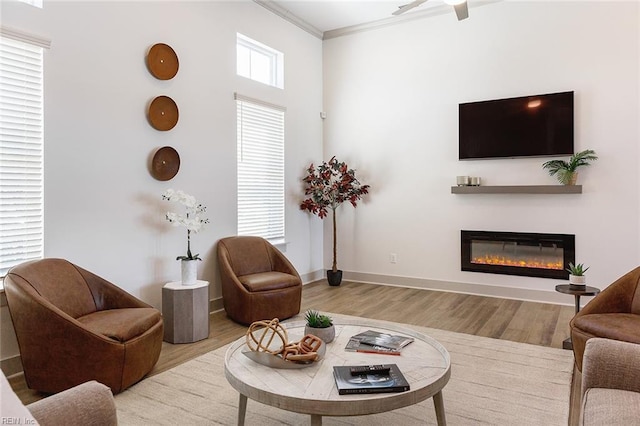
[408, 6]
[462, 11]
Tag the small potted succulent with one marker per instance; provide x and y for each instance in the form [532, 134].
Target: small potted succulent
[576, 275]
[319, 325]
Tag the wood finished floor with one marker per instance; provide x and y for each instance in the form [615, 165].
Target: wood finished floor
[518, 321]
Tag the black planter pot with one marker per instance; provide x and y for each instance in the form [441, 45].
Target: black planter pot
[334, 278]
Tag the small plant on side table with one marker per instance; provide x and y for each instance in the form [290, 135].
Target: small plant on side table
[576, 274]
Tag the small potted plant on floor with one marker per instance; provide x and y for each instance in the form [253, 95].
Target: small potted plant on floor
[566, 171]
[576, 275]
[319, 325]
[327, 187]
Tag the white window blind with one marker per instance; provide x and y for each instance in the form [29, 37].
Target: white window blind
[260, 169]
[21, 152]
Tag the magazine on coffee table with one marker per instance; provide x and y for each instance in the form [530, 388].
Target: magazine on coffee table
[375, 338]
[387, 382]
[355, 345]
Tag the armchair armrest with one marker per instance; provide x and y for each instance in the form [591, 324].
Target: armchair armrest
[611, 364]
[90, 403]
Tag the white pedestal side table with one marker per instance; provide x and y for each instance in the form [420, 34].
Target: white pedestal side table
[185, 309]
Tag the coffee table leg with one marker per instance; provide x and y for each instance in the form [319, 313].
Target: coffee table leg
[316, 420]
[242, 409]
[438, 403]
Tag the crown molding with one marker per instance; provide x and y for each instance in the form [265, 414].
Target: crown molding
[367, 26]
[288, 16]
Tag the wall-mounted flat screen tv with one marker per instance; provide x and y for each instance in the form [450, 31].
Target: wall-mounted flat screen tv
[527, 126]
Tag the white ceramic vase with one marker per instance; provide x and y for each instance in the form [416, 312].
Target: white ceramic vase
[189, 269]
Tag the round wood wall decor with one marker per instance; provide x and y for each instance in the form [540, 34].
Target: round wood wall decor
[163, 113]
[165, 163]
[162, 61]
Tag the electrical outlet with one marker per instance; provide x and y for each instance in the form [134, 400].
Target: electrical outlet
[393, 258]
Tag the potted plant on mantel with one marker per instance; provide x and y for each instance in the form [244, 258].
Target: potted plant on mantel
[576, 275]
[566, 171]
[328, 186]
[319, 325]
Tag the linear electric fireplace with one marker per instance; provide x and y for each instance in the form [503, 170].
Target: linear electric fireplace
[518, 253]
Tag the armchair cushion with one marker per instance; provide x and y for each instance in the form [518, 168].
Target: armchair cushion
[610, 407]
[121, 324]
[625, 327]
[266, 281]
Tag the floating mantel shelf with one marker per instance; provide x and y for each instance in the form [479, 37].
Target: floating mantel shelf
[518, 189]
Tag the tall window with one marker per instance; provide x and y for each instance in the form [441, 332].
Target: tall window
[21, 157]
[260, 169]
[259, 62]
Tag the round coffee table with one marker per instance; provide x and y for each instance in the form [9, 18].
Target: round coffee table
[425, 363]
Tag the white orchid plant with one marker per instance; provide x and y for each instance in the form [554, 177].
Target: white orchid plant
[192, 218]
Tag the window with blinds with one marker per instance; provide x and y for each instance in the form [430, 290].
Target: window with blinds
[260, 169]
[21, 156]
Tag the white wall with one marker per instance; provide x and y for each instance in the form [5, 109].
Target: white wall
[392, 95]
[103, 210]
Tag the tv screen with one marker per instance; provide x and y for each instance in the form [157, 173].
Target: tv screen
[528, 126]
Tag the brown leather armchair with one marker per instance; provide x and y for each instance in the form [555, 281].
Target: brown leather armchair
[612, 314]
[258, 282]
[73, 326]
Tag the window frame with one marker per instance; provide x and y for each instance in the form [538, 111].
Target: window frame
[274, 57]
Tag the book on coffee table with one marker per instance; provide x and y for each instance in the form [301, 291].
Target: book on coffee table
[391, 381]
[375, 338]
[354, 345]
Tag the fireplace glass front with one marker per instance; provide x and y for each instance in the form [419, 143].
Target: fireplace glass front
[518, 253]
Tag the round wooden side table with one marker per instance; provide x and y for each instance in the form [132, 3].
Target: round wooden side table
[576, 292]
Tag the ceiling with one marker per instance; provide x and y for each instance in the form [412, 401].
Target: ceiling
[327, 18]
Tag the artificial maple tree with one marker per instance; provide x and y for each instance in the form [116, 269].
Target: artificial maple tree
[327, 187]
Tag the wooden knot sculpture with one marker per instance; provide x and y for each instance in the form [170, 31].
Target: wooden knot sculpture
[260, 338]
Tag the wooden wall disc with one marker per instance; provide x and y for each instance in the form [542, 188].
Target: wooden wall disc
[165, 163]
[162, 61]
[163, 113]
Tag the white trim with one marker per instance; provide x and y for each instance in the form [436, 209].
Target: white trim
[238, 97]
[25, 37]
[282, 12]
[367, 26]
[487, 290]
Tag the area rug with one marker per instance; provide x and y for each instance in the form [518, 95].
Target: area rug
[493, 382]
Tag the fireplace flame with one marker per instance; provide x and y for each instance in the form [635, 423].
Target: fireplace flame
[505, 261]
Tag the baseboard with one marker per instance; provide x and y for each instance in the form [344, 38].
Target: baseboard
[312, 276]
[487, 290]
